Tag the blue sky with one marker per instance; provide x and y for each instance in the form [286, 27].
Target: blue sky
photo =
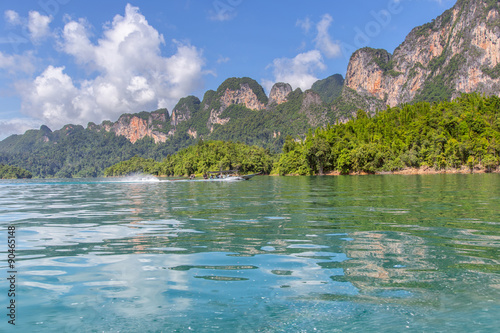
[70, 61]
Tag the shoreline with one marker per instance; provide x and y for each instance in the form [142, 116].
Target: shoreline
[411, 171]
[432, 171]
[422, 171]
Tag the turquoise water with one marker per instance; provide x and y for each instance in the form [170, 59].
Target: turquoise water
[274, 254]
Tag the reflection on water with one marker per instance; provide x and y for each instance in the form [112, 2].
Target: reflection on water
[272, 254]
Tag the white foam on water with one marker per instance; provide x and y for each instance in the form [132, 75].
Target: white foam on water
[138, 178]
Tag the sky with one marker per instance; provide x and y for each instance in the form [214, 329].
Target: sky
[71, 61]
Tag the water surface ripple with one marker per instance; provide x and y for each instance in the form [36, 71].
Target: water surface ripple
[274, 254]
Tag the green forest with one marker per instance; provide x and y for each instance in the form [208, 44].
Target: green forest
[199, 159]
[13, 172]
[445, 135]
[75, 152]
[463, 132]
[454, 134]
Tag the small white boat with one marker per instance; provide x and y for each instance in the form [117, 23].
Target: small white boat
[217, 176]
[248, 177]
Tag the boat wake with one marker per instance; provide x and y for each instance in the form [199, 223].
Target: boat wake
[145, 178]
[228, 179]
[138, 178]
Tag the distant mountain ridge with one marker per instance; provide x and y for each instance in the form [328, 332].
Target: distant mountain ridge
[235, 99]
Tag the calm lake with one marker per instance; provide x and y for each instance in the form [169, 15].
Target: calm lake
[274, 254]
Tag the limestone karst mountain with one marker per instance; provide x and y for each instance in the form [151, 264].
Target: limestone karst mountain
[458, 52]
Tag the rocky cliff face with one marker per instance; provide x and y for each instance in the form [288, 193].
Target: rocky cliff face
[186, 108]
[314, 109]
[279, 93]
[457, 52]
[180, 114]
[137, 126]
[244, 96]
[364, 74]
[234, 91]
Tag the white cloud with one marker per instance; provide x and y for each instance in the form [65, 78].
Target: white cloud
[38, 25]
[12, 17]
[129, 74]
[16, 126]
[299, 72]
[18, 63]
[76, 41]
[222, 16]
[49, 95]
[140, 90]
[223, 60]
[184, 70]
[305, 24]
[323, 40]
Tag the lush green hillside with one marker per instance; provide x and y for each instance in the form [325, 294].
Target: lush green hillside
[330, 88]
[201, 158]
[440, 135]
[191, 103]
[77, 152]
[464, 132]
[13, 172]
[266, 128]
[136, 164]
[384, 142]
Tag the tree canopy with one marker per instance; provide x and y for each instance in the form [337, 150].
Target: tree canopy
[199, 159]
[463, 132]
[441, 135]
[13, 172]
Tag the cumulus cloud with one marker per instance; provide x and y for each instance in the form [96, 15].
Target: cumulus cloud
[38, 25]
[323, 40]
[76, 41]
[299, 72]
[49, 94]
[129, 74]
[12, 17]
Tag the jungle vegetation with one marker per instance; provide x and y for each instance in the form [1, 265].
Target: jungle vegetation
[199, 159]
[448, 134]
[438, 135]
[13, 172]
